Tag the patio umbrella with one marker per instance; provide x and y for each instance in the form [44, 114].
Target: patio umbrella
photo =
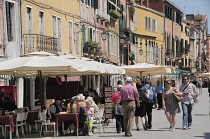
[50, 65]
[144, 69]
[43, 66]
[39, 53]
[100, 68]
[204, 74]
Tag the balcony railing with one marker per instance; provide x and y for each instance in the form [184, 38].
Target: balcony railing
[38, 42]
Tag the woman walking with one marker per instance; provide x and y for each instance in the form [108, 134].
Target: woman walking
[140, 111]
[170, 105]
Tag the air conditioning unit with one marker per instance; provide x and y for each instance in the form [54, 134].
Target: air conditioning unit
[103, 15]
[107, 18]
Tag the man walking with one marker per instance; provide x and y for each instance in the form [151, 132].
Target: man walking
[128, 95]
[150, 100]
[159, 90]
[189, 91]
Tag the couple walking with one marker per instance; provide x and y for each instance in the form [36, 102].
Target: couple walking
[188, 91]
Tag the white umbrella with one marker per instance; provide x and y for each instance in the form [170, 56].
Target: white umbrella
[50, 65]
[144, 69]
[39, 53]
[100, 68]
[204, 74]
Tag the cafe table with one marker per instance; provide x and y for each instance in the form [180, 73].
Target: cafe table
[9, 120]
[61, 117]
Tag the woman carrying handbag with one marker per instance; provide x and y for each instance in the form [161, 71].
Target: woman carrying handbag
[170, 105]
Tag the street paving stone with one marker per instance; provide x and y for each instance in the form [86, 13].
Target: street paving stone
[160, 130]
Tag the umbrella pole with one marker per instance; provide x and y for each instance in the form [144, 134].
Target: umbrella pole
[41, 87]
[65, 76]
[140, 75]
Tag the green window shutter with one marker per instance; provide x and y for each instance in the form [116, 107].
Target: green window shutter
[95, 4]
[88, 33]
[91, 37]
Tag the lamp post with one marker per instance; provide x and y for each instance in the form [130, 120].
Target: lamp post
[141, 53]
[103, 36]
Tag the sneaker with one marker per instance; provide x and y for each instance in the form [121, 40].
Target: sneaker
[184, 128]
[90, 134]
[172, 129]
[189, 127]
[137, 129]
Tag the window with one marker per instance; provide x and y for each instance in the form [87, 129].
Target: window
[148, 23]
[136, 20]
[88, 2]
[41, 22]
[77, 39]
[163, 27]
[154, 25]
[57, 30]
[71, 48]
[29, 29]
[82, 1]
[10, 19]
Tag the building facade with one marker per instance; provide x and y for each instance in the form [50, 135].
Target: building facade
[149, 35]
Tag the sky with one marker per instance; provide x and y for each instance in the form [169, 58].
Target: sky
[194, 7]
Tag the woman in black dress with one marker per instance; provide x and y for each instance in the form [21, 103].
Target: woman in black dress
[140, 111]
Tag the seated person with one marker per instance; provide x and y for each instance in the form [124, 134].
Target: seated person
[56, 107]
[89, 114]
[95, 107]
[8, 104]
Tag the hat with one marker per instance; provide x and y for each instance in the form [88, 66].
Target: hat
[58, 98]
[147, 81]
[128, 79]
[119, 86]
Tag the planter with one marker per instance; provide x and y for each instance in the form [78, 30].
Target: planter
[114, 14]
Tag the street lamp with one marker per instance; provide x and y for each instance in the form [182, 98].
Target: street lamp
[103, 36]
[141, 52]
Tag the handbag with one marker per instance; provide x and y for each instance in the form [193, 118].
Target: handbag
[178, 98]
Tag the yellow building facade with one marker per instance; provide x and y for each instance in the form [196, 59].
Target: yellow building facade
[149, 35]
[51, 26]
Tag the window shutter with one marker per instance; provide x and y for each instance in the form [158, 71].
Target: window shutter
[158, 54]
[95, 4]
[9, 21]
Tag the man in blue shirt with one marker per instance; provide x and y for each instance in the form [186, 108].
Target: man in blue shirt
[159, 90]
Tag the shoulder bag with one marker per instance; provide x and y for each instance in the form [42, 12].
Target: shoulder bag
[179, 98]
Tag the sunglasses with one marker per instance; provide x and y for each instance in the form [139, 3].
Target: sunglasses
[168, 83]
[184, 79]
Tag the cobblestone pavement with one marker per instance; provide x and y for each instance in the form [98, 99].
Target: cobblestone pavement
[200, 128]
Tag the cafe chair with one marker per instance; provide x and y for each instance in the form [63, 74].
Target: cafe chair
[99, 120]
[25, 115]
[45, 123]
[40, 120]
[2, 130]
[19, 123]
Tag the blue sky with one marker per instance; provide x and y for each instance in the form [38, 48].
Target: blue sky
[194, 7]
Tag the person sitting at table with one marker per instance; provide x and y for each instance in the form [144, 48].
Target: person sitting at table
[56, 107]
[8, 104]
[89, 112]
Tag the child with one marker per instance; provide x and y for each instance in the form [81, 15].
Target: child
[89, 113]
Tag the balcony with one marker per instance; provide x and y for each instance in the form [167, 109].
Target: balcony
[38, 42]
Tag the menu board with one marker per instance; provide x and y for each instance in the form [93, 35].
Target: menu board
[108, 102]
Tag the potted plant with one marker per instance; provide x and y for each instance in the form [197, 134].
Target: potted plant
[114, 13]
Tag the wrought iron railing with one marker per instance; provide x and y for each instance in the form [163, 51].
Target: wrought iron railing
[38, 42]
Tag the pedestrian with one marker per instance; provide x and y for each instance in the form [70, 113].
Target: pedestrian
[159, 90]
[200, 85]
[170, 105]
[128, 95]
[189, 92]
[118, 113]
[140, 111]
[150, 101]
